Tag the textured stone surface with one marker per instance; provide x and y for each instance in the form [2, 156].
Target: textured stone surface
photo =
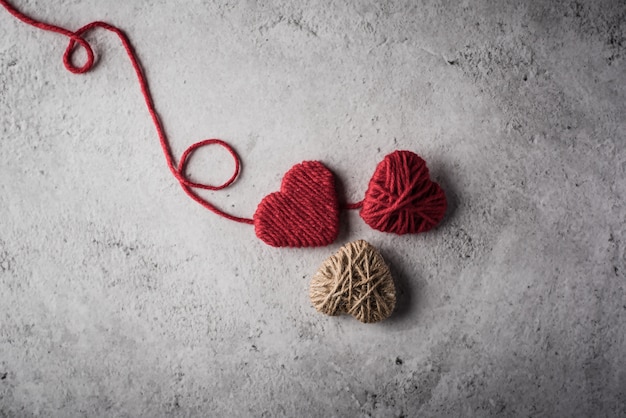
[121, 297]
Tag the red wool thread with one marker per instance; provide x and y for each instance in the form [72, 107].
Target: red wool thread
[401, 198]
[76, 38]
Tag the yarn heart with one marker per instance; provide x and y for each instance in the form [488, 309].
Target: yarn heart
[401, 198]
[356, 281]
[304, 213]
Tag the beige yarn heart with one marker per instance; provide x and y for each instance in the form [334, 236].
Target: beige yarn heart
[356, 280]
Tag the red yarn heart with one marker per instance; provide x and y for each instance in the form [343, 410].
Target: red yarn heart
[305, 213]
[401, 198]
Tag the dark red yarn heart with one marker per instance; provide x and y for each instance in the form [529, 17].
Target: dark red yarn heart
[401, 198]
[305, 213]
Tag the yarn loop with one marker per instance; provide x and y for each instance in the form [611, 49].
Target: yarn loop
[76, 39]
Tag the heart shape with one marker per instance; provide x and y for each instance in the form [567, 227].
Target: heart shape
[356, 281]
[304, 213]
[401, 198]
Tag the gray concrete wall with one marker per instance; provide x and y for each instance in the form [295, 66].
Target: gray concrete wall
[119, 296]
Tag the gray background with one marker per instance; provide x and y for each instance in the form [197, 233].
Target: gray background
[122, 297]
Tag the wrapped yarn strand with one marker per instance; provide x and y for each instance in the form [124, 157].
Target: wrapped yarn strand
[401, 198]
[355, 281]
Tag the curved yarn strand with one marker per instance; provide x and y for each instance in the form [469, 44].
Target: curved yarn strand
[75, 38]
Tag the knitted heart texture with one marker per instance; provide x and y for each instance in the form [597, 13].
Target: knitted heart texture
[401, 198]
[355, 281]
[304, 213]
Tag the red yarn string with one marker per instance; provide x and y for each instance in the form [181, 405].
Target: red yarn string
[350, 206]
[178, 172]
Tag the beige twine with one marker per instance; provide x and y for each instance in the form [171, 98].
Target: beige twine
[356, 280]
